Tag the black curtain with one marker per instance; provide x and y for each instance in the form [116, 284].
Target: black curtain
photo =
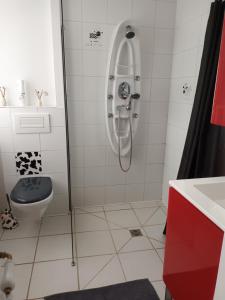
[204, 146]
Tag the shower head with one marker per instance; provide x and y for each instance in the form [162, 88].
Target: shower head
[130, 33]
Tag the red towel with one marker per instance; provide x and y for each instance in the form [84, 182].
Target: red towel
[218, 109]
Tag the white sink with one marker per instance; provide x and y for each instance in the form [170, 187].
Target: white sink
[214, 191]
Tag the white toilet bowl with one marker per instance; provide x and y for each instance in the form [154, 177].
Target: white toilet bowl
[31, 197]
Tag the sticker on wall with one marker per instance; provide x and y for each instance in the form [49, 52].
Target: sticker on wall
[28, 163]
[94, 36]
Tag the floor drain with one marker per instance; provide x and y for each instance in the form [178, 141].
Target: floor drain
[135, 232]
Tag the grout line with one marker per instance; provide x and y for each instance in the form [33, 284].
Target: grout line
[76, 250]
[115, 247]
[151, 215]
[35, 253]
[105, 265]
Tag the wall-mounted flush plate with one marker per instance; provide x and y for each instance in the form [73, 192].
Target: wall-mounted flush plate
[31, 122]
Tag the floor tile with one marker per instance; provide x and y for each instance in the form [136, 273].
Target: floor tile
[157, 218]
[142, 264]
[112, 273]
[155, 233]
[144, 214]
[55, 225]
[53, 277]
[125, 243]
[122, 218]
[94, 243]
[25, 229]
[98, 271]
[143, 204]
[159, 286]
[160, 253]
[90, 222]
[54, 247]
[116, 206]
[22, 275]
[88, 209]
[22, 250]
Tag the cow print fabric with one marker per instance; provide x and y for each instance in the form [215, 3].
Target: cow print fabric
[28, 163]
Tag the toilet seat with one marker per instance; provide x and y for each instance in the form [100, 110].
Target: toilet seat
[30, 190]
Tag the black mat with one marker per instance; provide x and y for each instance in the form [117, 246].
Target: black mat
[133, 290]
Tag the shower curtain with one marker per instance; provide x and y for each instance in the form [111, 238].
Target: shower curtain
[204, 149]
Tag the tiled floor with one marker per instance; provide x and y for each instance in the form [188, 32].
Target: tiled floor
[104, 249]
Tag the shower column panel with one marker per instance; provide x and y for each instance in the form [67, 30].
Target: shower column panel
[123, 88]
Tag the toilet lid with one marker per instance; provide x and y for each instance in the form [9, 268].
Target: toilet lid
[31, 190]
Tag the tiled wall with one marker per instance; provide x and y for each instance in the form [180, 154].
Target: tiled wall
[51, 146]
[96, 176]
[191, 20]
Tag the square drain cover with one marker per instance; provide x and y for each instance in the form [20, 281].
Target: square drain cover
[135, 232]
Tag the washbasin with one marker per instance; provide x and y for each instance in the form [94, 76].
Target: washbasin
[214, 191]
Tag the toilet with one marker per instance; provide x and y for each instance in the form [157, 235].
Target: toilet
[31, 197]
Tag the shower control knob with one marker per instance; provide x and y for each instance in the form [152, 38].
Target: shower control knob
[111, 77]
[110, 115]
[135, 96]
[110, 97]
[135, 115]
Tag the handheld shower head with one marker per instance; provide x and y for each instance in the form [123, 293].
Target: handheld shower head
[130, 33]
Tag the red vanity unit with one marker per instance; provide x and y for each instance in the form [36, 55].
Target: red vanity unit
[194, 264]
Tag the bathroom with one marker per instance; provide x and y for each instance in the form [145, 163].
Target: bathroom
[101, 211]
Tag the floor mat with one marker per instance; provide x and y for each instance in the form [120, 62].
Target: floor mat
[132, 290]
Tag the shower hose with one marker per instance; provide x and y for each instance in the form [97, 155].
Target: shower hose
[119, 146]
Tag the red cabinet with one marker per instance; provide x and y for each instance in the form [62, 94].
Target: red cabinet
[192, 252]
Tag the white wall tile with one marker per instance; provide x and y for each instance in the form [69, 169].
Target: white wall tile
[93, 88]
[94, 63]
[143, 12]
[94, 156]
[73, 35]
[94, 135]
[94, 10]
[161, 66]
[54, 161]
[5, 119]
[77, 156]
[78, 196]
[6, 141]
[165, 14]
[164, 41]
[134, 192]
[77, 175]
[158, 112]
[155, 153]
[8, 163]
[72, 10]
[114, 176]
[94, 176]
[160, 89]
[94, 195]
[115, 194]
[118, 10]
[55, 140]
[154, 173]
[75, 88]
[74, 62]
[57, 115]
[26, 142]
[59, 205]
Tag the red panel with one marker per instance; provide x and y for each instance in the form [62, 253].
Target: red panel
[192, 253]
[218, 111]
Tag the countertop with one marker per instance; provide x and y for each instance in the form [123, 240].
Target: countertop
[213, 209]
